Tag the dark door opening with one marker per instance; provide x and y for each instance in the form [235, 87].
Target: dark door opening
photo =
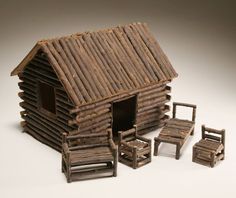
[124, 114]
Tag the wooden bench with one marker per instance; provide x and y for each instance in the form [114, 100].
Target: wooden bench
[211, 148]
[88, 156]
[133, 150]
[176, 131]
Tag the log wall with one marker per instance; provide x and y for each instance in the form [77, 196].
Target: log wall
[152, 108]
[45, 128]
[150, 112]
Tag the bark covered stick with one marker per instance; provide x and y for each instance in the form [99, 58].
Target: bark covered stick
[125, 57]
[129, 48]
[61, 73]
[149, 55]
[121, 58]
[100, 60]
[100, 73]
[74, 64]
[92, 88]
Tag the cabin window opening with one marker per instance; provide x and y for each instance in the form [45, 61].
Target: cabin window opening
[123, 115]
[46, 98]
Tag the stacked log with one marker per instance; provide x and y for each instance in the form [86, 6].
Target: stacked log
[47, 129]
[92, 119]
[151, 111]
[151, 108]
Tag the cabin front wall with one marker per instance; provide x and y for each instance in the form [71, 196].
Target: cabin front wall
[151, 110]
[45, 126]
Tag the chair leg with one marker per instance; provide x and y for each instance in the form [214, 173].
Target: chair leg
[223, 152]
[62, 165]
[194, 155]
[212, 163]
[177, 155]
[134, 158]
[156, 146]
[192, 133]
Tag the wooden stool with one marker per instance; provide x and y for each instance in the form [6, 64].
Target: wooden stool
[211, 148]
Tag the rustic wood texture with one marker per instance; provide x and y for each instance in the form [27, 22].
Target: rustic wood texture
[93, 66]
[89, 156]
[89, 71]
[176, 131]
[150, 115]
[211, 148]
[43, 127]
[133, 150]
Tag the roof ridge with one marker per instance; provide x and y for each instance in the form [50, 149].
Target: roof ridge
[77, 34]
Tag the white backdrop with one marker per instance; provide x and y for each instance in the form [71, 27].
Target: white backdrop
[199, 41]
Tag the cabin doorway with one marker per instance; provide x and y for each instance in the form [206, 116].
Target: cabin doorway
[123, 115]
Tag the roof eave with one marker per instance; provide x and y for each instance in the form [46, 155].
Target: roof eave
[26, 60]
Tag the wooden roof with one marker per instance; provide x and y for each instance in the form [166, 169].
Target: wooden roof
[96, 65]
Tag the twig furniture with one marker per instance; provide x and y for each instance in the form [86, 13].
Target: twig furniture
[176, 131]
[133, 150]
[89, 156]
[211, 148]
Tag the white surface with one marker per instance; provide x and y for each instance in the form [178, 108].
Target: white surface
[204, 57]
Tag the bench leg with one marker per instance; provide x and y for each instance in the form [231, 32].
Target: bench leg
[177, 155]
[156, 146]
[115, 165]
[212, 164]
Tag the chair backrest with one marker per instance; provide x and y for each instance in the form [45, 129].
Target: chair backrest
[88, 139]
[128, 135]
[194, 107]
[213, 134]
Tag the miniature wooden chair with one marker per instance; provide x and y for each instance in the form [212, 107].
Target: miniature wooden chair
[211, 148]
[176, 131]
[89, 156]
[133, 150]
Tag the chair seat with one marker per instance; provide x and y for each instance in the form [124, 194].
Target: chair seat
[210, 145]
[139, 144]
[86, 156]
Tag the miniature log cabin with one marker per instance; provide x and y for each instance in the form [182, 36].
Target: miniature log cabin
[89, 82]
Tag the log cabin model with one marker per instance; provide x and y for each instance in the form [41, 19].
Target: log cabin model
[84, 91]
[89, 82]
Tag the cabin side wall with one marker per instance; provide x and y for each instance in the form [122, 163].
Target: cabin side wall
[45, 128]
[151, 111]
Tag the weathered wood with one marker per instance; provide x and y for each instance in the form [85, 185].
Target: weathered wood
[129, 81]
[92, 116]
[90, 71]
[75, 159]
[134, 151]
[99, 71]
[118, 48]
[175, 131]
[211, 148]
